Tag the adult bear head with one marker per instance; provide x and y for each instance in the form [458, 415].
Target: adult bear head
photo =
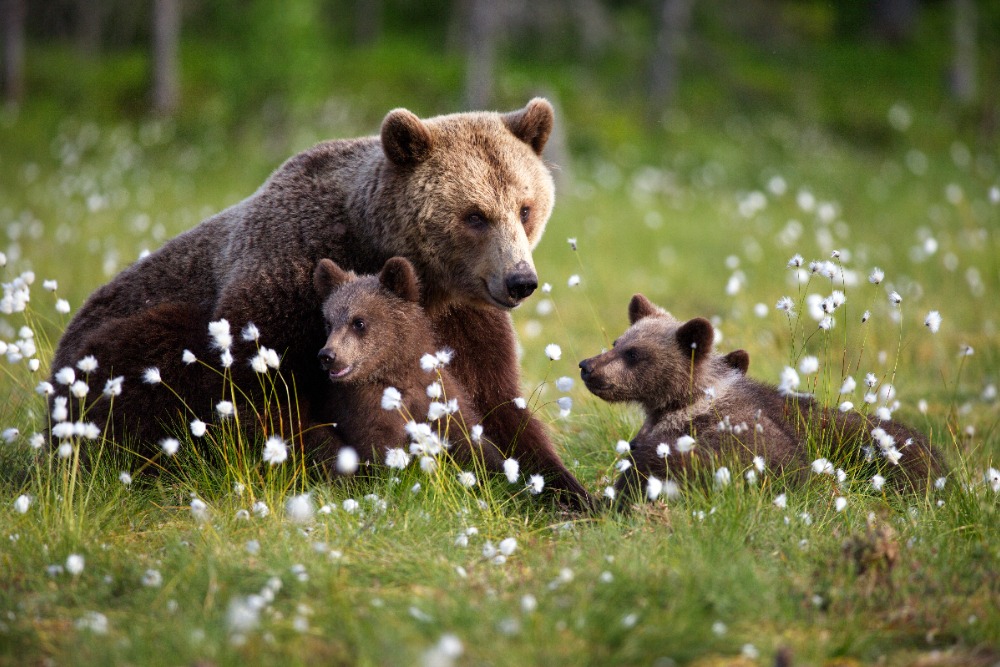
[475, 195]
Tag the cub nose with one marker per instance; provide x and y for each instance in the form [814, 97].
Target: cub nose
[326, 358]
[585, 369]
[521, 284]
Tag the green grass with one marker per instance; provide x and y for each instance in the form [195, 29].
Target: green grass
[695, 579]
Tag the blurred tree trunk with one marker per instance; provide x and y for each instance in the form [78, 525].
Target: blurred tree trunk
[894, 20]
[166, 36]
[962, 79]
[367, 21]
[88, 26]
[481, 35]
[12, 16]
[671, 41]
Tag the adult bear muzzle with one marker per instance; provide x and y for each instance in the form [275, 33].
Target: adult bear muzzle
[522, 282]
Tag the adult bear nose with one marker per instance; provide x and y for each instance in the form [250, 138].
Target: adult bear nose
[585, 369]
[522, 282]
[326, 358]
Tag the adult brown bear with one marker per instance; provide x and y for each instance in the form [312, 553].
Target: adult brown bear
[464, 197]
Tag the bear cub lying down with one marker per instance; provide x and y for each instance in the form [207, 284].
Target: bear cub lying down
[700, 404]
[378, 356]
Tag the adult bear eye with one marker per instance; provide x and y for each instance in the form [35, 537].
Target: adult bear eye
[476, 220]
[631, 356]
[525, 214]
[358, 324]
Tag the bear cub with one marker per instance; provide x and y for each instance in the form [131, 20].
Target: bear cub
[700, 404]
[384, 371]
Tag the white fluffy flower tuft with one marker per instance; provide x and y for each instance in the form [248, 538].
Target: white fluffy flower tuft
[170, 446]
[152, 376]
[347, 461]
[275, 451]
[535, 484]
[397, 458]
[933, 321]
[391, 399]
[512, 469]
[300, 508]
[553, 352]
[222, 337]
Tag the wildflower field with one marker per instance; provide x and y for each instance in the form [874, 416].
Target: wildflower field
[865, 272]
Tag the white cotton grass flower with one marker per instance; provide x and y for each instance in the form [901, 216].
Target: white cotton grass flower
[662, 450]
[443, 654]
[520, 402]
[684, 444]
[152, 579]
[865, 316]
[992, 478]
[654, 487]
[933, 321]
[553, 352]
[65, 376]
[723, 477]
[444, 356]
[535, 484]
[170, 446]
[781, 501]
[565, 404]
[876, 276]
[79, 389]
[75, 564]
[65, 449]
[397, 458]
[435, 390]
[199, 509]
[37, 441]
[300, 508]
[622, 447]
[827, 323]
[809, 365]
[467, 479]
[226, 358]
[198, 428]
[623, 465]
[840, 504]
[62, 306]
[822, 466]
[572, 242]
[88, 364]
[113, 387]
[795, 262]
[564, 384]
[347, 461]
[45, 388]
[848, 386]
[786, 305]
[260, 509]
[50, 285]
[878, 481]
[512, 469]
[507, 546]
[391, 399]
[250, 332]
[894, 298]
[609, 492]
[9, 435]
[22, 504]
[476, 433]
[428, 362]
[152, 375]
[188, 357]
[789, 383]
[845, 406]
[428, 464]
[221, 335]
[573, 281]
[225, 409]
[275, 451]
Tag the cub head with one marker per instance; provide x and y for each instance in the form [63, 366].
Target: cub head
[657, 362]
[370, 320]
[474, 195]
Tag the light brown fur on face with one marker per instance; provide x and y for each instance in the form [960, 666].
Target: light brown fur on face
[687, 389]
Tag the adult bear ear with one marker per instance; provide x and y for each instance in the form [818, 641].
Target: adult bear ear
[399, 277]
[406, 141]
[327, 277]
[695, 337]
[532, 124]
[738, 359]
[640, 307]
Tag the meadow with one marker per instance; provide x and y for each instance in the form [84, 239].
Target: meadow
[251, 562]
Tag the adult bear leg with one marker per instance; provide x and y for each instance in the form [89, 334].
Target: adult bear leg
[485, 362]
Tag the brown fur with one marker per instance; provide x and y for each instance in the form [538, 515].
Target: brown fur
[464, 197]
[377, 335]
[667, 366]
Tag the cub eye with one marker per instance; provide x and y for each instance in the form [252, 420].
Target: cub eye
[476, 220]
[525, 214]
[631, 356]
[358, 324]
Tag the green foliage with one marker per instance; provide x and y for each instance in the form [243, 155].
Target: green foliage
[670, 211]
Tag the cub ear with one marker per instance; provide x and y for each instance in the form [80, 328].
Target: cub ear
[532, 124]
[738, 359]
[695, 337]
[640, 307]
[399, 277]
[406, 141]
[328, 277]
